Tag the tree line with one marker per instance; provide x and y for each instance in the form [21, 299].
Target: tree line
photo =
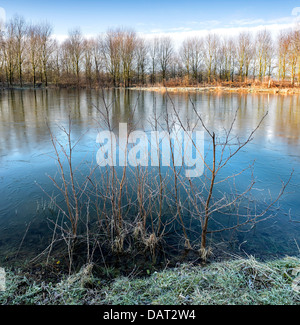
[29, 54]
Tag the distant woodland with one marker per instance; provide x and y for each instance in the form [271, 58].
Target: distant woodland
[31, 56]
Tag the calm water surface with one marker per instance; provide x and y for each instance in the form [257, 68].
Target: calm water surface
[26, 153]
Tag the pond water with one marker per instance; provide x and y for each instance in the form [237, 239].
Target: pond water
[27, 156]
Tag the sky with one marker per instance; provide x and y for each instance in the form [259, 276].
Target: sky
[179, 19]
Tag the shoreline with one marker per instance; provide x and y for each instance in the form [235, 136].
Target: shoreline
[179, 89]
[272, 90]
[238, 281]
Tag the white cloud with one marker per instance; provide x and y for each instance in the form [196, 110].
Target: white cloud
[247, 22]
[243, 22]
[62, 37]
[180, 29]
[224, 29]
[179, 35]
[201, 29]
[204, 23]
[2, 16]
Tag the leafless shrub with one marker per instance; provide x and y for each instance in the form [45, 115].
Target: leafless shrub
[136, 208]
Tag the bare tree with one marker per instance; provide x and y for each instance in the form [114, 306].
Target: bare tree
[34, 50]
[186, 56]
[2, 49]
[47, 48]
[153, 52]
[112, 54]
[9, 51]
[17, 32]
[97, 53]
[88, 46]
[263, 43]
[206, 204]
[128, 49]
[211, 44]
[142, 60]
[120, 57]
[226, 59]
[244, 53]
[75, 47]
[196, 57]
[165, 52]
[191, 53]
[56, 64]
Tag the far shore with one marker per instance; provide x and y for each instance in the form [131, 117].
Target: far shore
[175, 89]
[271, 90]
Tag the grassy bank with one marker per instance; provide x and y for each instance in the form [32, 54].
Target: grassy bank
[239, 281]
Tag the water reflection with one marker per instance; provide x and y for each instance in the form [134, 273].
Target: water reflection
[25, 141]
[23, 113]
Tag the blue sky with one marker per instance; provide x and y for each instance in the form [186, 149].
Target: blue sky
[177, 17]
